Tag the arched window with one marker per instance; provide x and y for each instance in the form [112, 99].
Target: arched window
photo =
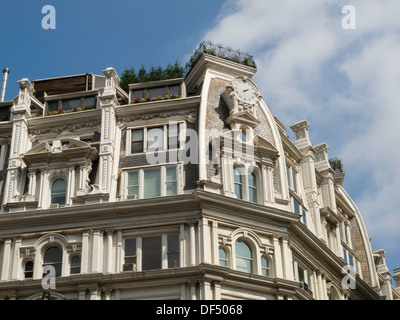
[75, 265]
[28, 269]
[243, 135]
[244, 257]
[53, 257]
[223, 257]
[252, 183]
[59, 191]
[238, 183]
[265, 270]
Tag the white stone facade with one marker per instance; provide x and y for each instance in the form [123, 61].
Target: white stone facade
[257, 216]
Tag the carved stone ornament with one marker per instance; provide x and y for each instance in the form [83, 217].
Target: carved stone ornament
[242, 95]
[190, 114]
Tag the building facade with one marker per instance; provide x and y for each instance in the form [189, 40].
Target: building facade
[180, 189]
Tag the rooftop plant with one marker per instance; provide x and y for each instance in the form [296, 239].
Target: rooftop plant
[171, 71]
[336, 164]
[219, 51]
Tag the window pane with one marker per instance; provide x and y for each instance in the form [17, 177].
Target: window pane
[173, 250]
[53, 254]
[137, 141]
[75, 265]
[238, 183]
[29, 266]
[59, 186]
[52, 105]
[243, 265]
[252, 187]
[155, 138]
[264, 262]
[301, 273]
[243, 250]
[71, 104]
[133, 178]
[223, 258]
[156, 92]
[90, 102]
[130, 247]
[171, 174]
[152, 183]
[173, 137]
[175, 90]
[171, 189]
[296, 207]
[138, 94]
[151, 253]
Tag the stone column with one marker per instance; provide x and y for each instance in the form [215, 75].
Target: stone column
[42, 191]
[109, 250]
[6, 259]
[287, 260]
[277, 258]
[71, 184]
[16, 262]
[192, 244]
[32, 185]
[85, 251]
[97, 251]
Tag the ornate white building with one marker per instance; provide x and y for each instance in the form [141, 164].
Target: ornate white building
[198, 196]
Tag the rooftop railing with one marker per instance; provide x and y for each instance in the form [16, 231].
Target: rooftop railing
[219, 50]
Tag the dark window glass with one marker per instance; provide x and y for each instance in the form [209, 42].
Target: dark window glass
[53, 257]
[130, 255]
[156, 92]
[138, 94]
[71, 104]
[90, 102]
[175, 90]
[75, 265]
[137, 141]
[173, 250]
[151, 253]
[5, 114]
[52, 105]
[58, 191]
[28, 269]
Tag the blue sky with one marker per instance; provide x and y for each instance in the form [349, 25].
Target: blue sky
[344, 82]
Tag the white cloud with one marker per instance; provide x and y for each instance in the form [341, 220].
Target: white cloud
[346, 83]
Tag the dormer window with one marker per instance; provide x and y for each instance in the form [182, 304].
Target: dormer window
[72, 104]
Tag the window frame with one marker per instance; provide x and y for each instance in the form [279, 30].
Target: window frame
[164, 250]
[163, 180]
[244, 185]
[181, 132]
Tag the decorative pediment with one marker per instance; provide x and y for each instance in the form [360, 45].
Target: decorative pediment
[61, 151]
[264, 149]
[243, 117]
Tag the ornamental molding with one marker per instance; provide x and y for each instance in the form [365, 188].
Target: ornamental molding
[189, 115]
[67, 128]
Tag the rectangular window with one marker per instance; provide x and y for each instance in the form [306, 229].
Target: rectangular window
[130, 255]
[173, 250]
[137, 141]
[133, 183]
[71, 104]
[52, 105]
[138, 94]
[173, 136]
[156, 92]
[176, 90]
[151, 181]
[171, 182]
[155, 138]
[296, 207]
[151, 253]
